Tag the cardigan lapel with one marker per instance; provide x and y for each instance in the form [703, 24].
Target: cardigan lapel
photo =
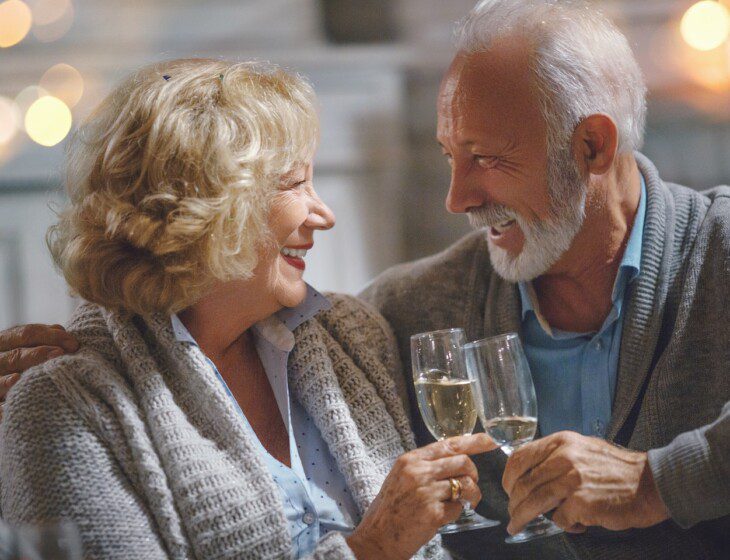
[207, 456]
[644, 313]
[502, 308]
[647, 297]
[313, 378]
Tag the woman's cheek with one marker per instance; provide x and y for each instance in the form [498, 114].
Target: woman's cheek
[287, 214]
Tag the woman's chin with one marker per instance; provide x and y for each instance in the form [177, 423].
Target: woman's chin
[292, 295]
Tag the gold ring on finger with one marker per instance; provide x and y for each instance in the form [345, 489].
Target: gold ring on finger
[455, 489]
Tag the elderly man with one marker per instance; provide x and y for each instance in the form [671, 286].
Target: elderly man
[617, 282]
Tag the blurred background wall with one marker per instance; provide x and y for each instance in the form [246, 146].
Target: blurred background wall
[376, 66]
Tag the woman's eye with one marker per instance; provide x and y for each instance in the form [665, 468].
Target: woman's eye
[297, 185]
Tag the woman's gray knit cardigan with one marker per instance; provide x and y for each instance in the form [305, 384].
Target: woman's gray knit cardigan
[135, 440]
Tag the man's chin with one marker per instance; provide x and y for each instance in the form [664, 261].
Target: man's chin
[522, 267]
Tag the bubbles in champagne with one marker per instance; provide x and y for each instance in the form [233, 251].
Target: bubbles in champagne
[446, 404]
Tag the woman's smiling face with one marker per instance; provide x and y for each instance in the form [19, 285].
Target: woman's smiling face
[296, 212]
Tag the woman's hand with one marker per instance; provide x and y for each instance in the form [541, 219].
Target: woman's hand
[415, 499]
[29, 345]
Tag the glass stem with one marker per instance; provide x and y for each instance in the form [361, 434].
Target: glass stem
[467, 510]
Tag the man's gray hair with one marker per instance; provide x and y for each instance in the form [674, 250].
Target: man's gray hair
[582, 63]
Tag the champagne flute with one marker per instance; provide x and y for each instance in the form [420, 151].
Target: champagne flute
[444, 395]
[507, 405]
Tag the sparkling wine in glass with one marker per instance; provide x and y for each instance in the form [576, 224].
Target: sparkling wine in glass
[445, 399]
[507, 405]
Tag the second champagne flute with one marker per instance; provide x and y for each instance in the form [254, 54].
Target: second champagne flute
[445, 399]
[507, 405]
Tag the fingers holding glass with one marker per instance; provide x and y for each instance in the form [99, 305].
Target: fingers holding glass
[507, 405]
[445, 399]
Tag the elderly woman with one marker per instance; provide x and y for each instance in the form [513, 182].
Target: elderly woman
[218, 405]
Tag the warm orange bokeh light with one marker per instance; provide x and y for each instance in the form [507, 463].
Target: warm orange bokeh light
[15, 22]
[706, 25]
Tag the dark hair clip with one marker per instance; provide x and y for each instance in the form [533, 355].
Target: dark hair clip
[166, 77]
[220, 77]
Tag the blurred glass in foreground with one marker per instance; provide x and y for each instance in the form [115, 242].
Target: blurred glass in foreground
[52, 541]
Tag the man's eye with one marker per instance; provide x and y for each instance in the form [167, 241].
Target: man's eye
[487, 162]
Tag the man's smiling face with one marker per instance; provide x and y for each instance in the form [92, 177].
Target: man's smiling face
[493, 133]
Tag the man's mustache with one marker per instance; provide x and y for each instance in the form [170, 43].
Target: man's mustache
[490, 214]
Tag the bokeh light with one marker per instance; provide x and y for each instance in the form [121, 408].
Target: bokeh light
[15, 22]
[706, 25]
[64, 82]
[48, 121]
[48, 11]
[55, 28]
[96, 88]
[28, 96]
[10, 120]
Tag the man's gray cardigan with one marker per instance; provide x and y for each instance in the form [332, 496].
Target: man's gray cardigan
[673, 378]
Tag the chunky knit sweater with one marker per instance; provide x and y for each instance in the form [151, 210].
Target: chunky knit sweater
[673, 379]
[135, 440]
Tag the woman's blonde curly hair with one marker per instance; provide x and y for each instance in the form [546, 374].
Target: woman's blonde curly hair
[170, 180]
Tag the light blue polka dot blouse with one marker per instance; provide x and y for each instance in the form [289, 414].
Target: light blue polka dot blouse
[315, 497]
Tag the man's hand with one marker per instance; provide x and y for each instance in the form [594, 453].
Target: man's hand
[589, 481]
[26, 346]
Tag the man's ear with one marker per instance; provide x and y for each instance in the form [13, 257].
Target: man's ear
[595, 141]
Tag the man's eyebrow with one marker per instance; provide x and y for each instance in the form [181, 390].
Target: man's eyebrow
[466, 144]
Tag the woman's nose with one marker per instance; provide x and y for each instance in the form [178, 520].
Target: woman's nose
[320, 215]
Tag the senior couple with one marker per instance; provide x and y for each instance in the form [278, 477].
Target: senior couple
[205, 402]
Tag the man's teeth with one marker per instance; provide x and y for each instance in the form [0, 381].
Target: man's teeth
[299, 253]
[503, 226]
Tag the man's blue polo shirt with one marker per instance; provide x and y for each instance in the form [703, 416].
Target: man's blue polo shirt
[575, 373]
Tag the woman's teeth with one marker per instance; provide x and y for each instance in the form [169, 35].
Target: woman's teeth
[501, 228]
[298, 253]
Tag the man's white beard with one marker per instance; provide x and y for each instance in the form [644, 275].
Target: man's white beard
[545, 240]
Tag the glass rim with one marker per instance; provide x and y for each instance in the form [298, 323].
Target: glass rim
[438, 332]
[482, 341]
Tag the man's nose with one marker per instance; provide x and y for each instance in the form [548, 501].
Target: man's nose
[464, 194]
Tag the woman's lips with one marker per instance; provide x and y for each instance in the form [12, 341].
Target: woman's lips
[507, 236]
[295, 255]
[296, 262]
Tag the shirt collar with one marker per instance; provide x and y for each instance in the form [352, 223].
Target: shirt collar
[631, 262]
[628, 269]
[277, 328]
